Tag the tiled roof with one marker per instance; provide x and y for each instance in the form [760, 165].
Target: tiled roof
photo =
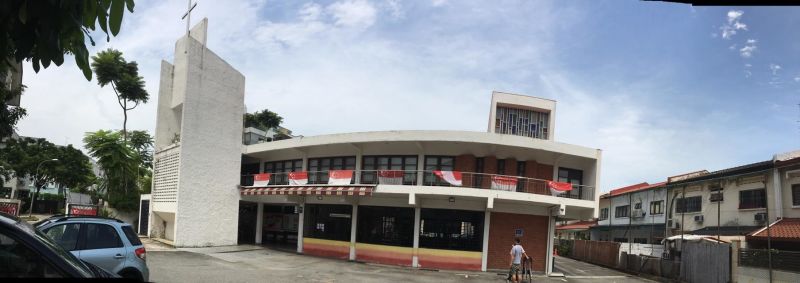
[580, 225]
[634, 188]
[785, 228]
[743, 169]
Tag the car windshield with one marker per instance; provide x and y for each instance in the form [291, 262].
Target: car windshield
[67, 256]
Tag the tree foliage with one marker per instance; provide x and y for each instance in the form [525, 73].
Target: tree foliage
[263, 120]
[31, 158]
[44, 31]
[125, 172]
[9, 115]
[123, 76]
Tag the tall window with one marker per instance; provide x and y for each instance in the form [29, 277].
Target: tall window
[656, 207]
[444, 163]
[521, 122]
[381, 225]
[796, 194]
[604, 213]
[573, 176]
[330, 222]
[280, 168]
[622, 211]
[753, 199]
[451, 229]
[371, 164]
[690, 204]
[478, 178]
[318, 167]
[521, 172]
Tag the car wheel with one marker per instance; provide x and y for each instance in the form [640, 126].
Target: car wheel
[131, 274]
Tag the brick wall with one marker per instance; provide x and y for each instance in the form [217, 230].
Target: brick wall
[465, 163]
[501, 238]
[489, 167]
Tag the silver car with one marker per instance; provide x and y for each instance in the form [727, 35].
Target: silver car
[106, 242]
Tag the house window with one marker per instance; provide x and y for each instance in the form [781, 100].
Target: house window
[753, 199]
[622, 211]
[451, 229]
[640, 240]
[443, 163]
[796, 194]
[656, 207]
[318, 167]
[573, 176]
[406, 163]
[604, 213]
[501, 166]
[716, 197]
[690, 204]
[621, 240]
[638, 205]
[380, 225]
[330, 222]
[280, 168]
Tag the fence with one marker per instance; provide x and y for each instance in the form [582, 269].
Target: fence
[596, 252]
[705, 262]
[781, 260]
[641, 249]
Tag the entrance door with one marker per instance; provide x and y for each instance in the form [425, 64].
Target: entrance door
[144, 217]
[248, 212]
[280, 226]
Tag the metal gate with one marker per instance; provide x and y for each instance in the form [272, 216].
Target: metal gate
[706, 262]
[144, 217]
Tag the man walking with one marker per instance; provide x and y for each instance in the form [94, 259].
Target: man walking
[517, 253]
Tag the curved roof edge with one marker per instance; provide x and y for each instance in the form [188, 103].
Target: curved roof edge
[426, 136]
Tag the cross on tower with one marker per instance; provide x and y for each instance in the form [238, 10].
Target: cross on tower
[188, 15]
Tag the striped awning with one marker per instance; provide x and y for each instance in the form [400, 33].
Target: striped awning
[309, 190]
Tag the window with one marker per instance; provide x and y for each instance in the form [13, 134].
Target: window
[101, 236]
[690, 204]
[521, 173]
[638, 205]
[330, 222]
[65, 235]
[753, 199]
[656, 207]
[573, 176]
[444, 163]
[716, 197]
[501, 166]
[318, 167]
[521, 122]
[451, 229]
[621, 211]
[640, 240]
[477, 180]
[280, 168]
[380, 225]
[604, 213]
[19, 261]
[796, 194]
[371, 164]
[132, 237]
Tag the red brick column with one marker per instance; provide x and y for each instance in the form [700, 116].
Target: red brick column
[465, 163]
[489, 167]
[501, 238]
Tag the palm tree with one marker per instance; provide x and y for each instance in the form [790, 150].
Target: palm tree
[111, 68]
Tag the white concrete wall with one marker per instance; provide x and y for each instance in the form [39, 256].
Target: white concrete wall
[643, 197]
[523, 102]
[788, 210]
[641, 249]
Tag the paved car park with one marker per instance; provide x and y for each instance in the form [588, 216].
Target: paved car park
[248, 263]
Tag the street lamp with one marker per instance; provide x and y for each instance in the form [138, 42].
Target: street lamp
[33, 195]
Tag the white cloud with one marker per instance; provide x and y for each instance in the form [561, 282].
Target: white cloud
[395, 9]
[729, 29]
[797, 79]
[437, 3]
[748, 49]
[353, 13]
[310, 12]
[774, 68]
[732, 47]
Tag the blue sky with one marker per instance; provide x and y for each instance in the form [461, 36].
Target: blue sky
[661, 88]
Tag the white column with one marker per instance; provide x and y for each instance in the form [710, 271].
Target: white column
[301, 218]
[777, 183]
[415, 259]
[420, 168]
[485, 251]
[353, 224]
[359, 166]
[259, 222]
[550, 233]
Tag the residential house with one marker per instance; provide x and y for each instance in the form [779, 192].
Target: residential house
[632, 214]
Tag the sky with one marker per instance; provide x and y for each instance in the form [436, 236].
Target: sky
[663, 89]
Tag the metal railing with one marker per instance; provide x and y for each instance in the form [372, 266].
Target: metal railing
[412, 178]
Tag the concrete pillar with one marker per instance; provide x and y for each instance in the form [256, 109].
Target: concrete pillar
[420, 169]
[359, 166]
[485, 250]
[260, 166]
[735, 244]
[415, 258]
[300, 226]
[259, 222]
[305, 162]
[353, 224]
[776, 186]
[550, 233]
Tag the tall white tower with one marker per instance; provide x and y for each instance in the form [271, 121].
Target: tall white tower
[196, 169]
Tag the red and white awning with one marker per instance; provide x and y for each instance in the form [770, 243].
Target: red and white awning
[310, 190]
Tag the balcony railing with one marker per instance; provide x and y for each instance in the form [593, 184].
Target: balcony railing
[410, 178]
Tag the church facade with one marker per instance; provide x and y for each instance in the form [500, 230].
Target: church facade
[427, 199]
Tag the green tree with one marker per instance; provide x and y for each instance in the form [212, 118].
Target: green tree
[111, 68]
[9, 115]
[33, 158]
[263, 120]
[121, 167]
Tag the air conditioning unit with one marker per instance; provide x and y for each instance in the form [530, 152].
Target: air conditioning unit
[761, 217]
[638, 213]
[698, 218]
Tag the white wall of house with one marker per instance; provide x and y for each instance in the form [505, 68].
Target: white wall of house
[642, 216]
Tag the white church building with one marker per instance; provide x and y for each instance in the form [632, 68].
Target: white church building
[430, 199]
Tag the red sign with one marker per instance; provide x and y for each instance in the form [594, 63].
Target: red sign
[10, 208]
[75, 209]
